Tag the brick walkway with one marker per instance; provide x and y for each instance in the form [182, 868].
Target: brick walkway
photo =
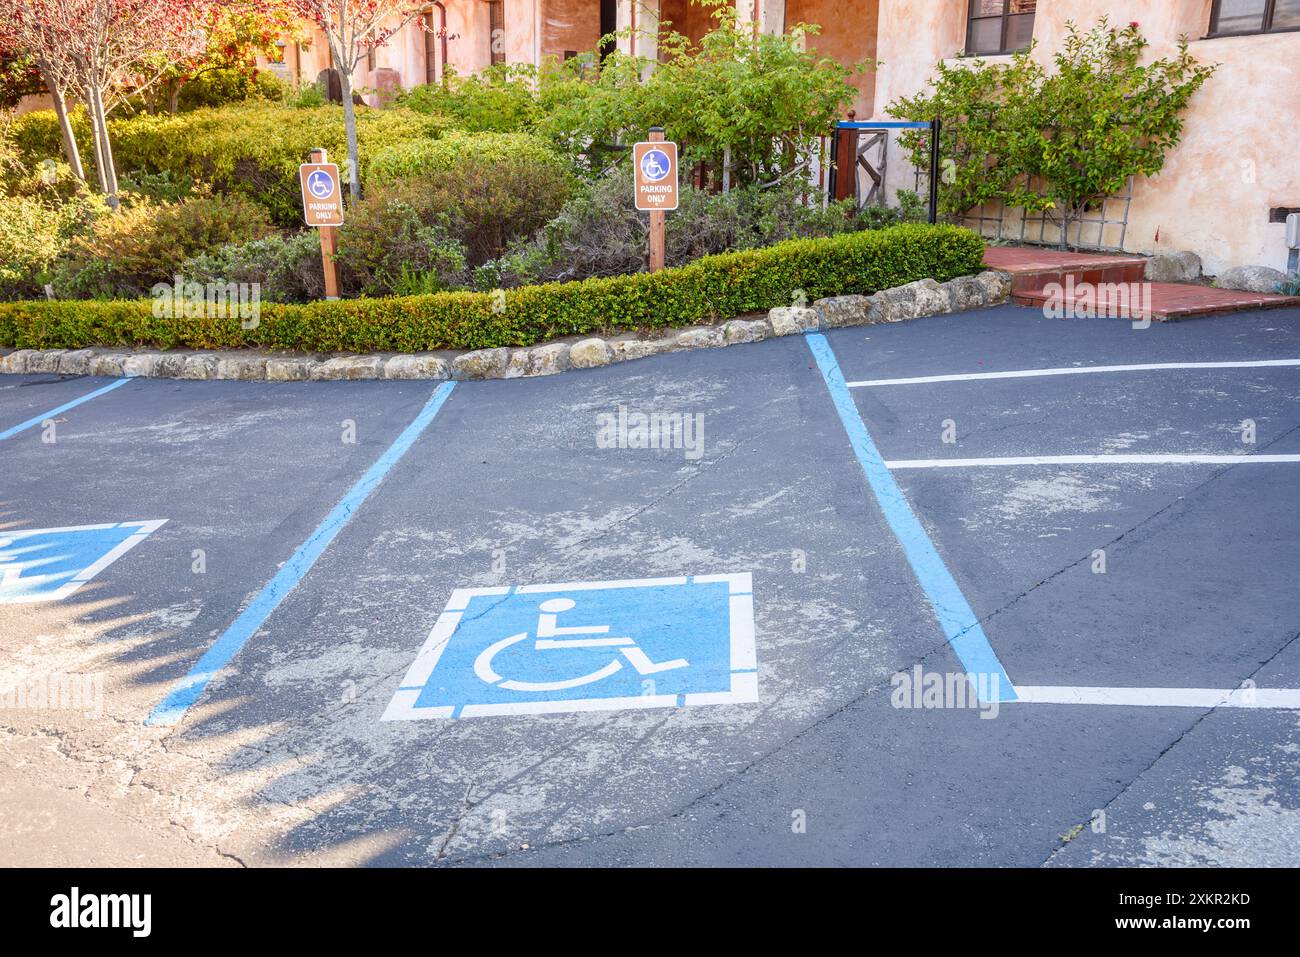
[1033, 270]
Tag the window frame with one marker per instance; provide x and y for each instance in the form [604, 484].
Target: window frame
[496, 21]
[1005, 17]
[1265, 23]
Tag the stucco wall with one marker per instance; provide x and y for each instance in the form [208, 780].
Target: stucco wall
[30, 104]
[468, 44]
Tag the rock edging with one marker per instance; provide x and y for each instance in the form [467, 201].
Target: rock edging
[925, 297]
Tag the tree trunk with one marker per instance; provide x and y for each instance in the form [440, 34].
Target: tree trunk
[174, 96]
[108, 175]
[70, 149]
[97, 139]
[350, 125]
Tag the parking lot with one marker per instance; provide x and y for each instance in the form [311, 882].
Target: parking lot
[361, 622]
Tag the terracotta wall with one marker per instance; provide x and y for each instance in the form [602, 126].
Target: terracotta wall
[848, 34]
[689, 19]
[570, 25]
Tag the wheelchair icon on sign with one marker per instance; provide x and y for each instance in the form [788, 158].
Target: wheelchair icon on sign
[550, 636]
[320, 184]
[655, 165]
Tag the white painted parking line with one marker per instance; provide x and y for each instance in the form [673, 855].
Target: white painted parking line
[1075, 370]
[1116, 459]
[1286, 698]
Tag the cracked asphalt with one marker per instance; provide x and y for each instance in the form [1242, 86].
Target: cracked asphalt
[285, 758]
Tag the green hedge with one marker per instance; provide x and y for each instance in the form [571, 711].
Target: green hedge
[708, 290]
[455, 150]
[252, 148]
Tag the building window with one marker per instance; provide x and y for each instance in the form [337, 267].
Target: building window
[497, 30]
[1000, 26]
[1254, 16]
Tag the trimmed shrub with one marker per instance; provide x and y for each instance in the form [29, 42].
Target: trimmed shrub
[251, 148]
[34, 231]
[392, 244]
[222, 87]
[598, 233]
[30, 239]
[488, 188]
[501, 98]
[287, 268]
[143, 243]
[708, 290]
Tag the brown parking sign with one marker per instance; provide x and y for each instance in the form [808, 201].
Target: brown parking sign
[322, 199]
[655, 164]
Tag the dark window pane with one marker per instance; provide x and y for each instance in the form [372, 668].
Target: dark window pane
[985, 36]
[1286, 15]
[1020, 30]
[1240, 16]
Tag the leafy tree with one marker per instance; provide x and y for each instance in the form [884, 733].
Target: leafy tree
[751, 106]
[104, 50]
[28, 40]
[1100, 118]
[19, 77]
[233, 36]
[1055, 142]
[969, 96]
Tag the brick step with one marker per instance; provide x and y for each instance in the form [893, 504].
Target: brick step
[1033, 267]
[1165, 301]
[1027, 282]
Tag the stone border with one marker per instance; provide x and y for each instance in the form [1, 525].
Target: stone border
[924, 297]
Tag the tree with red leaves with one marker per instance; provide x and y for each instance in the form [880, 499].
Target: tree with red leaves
[104, 50]
[235, 35]
[352, 28]
[26, 40]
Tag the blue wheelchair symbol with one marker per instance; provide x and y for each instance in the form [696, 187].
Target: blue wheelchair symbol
[654, 165]
[585, 646]
[320, 184]
[49, 564]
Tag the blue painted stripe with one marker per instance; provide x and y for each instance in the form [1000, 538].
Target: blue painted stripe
[30, 423]
[882, 125]
[955, 615]
[186, 691]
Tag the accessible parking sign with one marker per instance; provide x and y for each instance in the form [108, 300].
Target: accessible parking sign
[322, 199]
[655, 164]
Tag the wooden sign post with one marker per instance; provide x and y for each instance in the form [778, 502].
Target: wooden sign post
[655, 163]
[322, 207]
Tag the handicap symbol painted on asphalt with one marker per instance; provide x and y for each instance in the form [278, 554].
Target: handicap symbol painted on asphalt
[320, 184]
[655, 165]
[585, 646]
[49, 564]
